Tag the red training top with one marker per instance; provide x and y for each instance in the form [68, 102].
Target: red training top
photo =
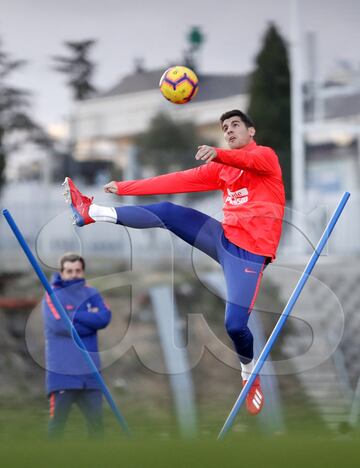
[253, 192]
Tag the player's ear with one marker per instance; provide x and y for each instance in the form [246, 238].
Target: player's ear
[252, 131]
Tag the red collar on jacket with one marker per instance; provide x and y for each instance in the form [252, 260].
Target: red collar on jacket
[252, 144]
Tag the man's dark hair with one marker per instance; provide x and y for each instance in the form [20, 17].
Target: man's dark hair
[237, 113]
[71, 257]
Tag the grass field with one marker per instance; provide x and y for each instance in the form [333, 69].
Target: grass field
[155, 443]
[245, 451]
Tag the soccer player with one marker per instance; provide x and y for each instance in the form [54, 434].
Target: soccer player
[68, 380]
[249, 176]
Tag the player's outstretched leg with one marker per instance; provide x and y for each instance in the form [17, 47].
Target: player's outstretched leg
[192, 226]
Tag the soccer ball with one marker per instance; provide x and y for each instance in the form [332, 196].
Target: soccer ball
[179, 84]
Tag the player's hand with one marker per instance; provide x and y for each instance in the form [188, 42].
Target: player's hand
[205, 153]
[111, 187]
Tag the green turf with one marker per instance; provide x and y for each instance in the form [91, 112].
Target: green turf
[244, 450]
[156, 443]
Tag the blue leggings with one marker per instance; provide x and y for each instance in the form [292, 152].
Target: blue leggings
[242, 269]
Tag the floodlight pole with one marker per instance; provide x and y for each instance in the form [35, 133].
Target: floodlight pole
[297, 119]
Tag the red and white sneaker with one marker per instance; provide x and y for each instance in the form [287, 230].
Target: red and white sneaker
[79, 203]
[255, 397]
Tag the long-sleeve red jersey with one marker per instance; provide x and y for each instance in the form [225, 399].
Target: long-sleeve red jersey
[253, 193]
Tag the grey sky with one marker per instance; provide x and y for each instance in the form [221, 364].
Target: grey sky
[156, 30]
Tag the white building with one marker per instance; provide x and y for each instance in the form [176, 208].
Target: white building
[105, 126]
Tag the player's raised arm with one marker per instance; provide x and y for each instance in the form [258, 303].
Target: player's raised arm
[256, 158]
[199, 179]
[259, 159]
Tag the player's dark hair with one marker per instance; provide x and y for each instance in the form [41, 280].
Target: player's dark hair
[71, 257]
[237, 113]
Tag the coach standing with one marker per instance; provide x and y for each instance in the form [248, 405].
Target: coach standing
[68, 380]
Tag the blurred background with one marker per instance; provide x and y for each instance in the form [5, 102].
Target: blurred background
[79, 97]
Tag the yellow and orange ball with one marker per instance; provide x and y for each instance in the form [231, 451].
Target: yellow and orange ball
[179, 84]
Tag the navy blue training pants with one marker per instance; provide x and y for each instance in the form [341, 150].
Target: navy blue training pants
[88, 401]
[242, 269]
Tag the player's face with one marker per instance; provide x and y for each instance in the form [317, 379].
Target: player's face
[72, 270]
[236, 133]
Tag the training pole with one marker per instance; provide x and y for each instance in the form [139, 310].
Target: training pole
[57, 304]
[286, 312]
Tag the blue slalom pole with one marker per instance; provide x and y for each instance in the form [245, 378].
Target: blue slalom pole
[286, 312]
[66, 319]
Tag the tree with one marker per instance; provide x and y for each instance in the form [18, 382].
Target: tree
[16, 125]
[168, 145]
[270, 102]
[78, 68]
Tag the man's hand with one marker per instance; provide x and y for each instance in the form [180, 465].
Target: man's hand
[206, 153]
[111, 187]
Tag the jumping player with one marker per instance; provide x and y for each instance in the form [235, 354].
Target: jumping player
[250, 179]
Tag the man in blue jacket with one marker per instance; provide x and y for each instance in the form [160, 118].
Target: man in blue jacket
[68, 377]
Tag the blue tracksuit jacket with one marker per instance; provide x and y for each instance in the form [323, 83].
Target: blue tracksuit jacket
[66, 367]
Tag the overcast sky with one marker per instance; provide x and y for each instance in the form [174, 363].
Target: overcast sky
[156, 31]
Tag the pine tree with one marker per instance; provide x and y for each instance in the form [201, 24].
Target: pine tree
[78, 68]
[270, 103]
